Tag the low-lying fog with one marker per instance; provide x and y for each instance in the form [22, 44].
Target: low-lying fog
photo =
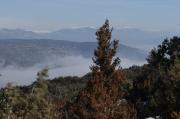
[74, 66]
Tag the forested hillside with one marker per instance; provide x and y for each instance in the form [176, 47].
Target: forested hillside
[107, 92]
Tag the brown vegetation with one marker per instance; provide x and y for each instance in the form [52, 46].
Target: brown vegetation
[103, 96]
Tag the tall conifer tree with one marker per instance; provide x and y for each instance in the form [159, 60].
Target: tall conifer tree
[103, 96]
[105, 52]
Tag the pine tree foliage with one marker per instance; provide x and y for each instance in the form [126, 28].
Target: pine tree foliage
[164, 56]
[156, 89]
[105, 52]
[103, 96]
[27, 103]
[175, 70]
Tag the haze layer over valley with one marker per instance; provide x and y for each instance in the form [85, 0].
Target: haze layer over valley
[23, 58]
[66, 51]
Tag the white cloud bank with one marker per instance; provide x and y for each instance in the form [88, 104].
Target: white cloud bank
[74, 66]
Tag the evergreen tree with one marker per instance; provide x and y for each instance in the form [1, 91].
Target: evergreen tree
[164, 56]
[28, 102]
[103, 96]
[105, 52]
[155, 90]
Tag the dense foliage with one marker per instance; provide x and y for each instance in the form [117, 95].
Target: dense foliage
[41, 100]
[155, 87]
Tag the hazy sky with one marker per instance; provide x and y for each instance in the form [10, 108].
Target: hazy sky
[48, 15]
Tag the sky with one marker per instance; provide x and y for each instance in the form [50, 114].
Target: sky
[50, 15]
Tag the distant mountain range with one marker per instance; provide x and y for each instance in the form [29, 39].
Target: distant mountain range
[27, 53]
[132, 37]
[26, 48]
